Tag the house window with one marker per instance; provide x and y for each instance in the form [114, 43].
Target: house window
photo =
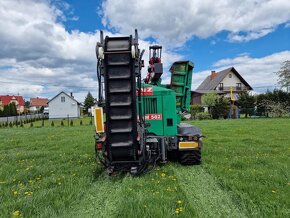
[62, 99]
[230, 75]
[239, 86]
[221, 86]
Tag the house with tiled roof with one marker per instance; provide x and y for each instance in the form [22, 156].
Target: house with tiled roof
[37, 103]
[16, 99]
[228, 83]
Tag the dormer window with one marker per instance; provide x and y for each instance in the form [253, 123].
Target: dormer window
[62, 99]
[230, 75]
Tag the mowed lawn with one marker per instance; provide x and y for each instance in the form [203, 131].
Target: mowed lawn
[51, 172]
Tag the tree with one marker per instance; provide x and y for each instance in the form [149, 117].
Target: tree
[89, 101]
[41, 109]
[246, 103]
[276, 103]
[220, 108]
[12, 109]
[27, 104]
[209, 100]
[284, 75]
[6, 110]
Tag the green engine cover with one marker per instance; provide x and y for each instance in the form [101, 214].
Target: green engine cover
[159, 109]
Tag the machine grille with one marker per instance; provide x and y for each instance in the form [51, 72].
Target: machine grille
[150, 105]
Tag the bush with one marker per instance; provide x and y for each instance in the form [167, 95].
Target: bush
[61, 123]
[71, 123]
[52, 123]
[195, 109]
[81, 123]
[203, 116]
[91, 122]
[31, 124]
[42, 124]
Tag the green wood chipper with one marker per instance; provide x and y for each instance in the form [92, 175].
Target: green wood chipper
[138, 122]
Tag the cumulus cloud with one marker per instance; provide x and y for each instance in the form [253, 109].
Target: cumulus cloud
[258, 72]
[41, 53]
[38, 57]
[174, 22]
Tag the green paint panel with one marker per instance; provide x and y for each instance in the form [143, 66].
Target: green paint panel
[159, 109]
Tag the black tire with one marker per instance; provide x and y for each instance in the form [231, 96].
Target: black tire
[190, 157]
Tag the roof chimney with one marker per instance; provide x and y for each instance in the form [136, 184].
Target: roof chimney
[71, 94]
[212, 75]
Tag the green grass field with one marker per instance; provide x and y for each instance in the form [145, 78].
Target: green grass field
[51, 172]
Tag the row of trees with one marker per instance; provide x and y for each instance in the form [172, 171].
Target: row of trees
[275, 104]
[8, 110]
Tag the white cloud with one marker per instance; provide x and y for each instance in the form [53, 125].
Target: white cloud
[258, 72]
[174, 22]
[42, 57]
[251, 35]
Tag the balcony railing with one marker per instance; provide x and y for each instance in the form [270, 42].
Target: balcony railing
[234, 88]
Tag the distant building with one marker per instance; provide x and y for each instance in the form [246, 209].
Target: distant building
[37, 103]
[7, 99]
[63, 106]
[228, 83]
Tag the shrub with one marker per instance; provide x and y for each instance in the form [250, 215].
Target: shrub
[52, 123]
[42, 124]
[10, 124]
[81, 123]
[71, 123]
[203, 116]
[61, 123]
[31, 124]
[194, 109]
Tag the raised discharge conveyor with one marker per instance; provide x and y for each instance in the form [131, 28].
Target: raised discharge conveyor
[120, 92]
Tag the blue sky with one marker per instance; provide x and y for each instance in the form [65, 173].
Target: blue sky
[53, 47]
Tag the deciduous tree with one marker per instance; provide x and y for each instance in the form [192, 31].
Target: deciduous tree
[284, 75]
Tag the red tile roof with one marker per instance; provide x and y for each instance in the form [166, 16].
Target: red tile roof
[38, 102]
[6, 99]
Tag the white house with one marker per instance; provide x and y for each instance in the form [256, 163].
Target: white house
[226, 82]
[63, 106]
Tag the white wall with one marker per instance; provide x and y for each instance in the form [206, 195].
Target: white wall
[59, 110]
[227, 81]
